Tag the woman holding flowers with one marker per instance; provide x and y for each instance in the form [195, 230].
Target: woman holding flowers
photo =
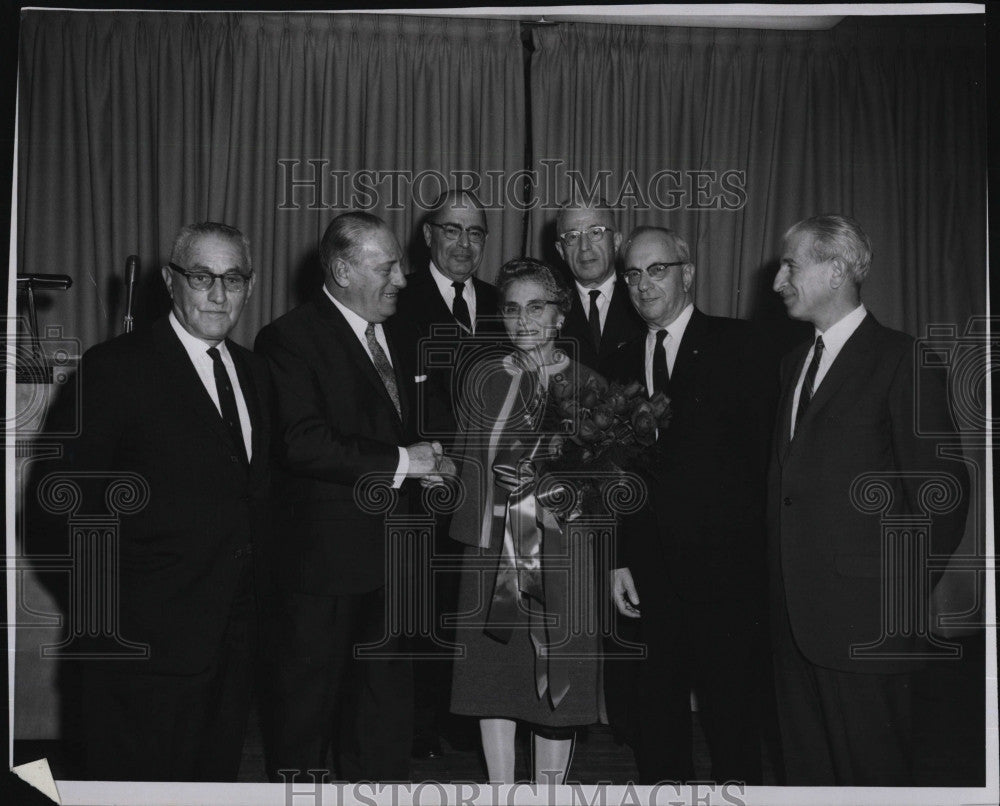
[527, 603]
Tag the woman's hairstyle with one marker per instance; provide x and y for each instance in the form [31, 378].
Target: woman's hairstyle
[536, 271]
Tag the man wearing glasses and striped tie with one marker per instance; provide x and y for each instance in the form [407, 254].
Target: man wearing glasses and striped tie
[186, 409]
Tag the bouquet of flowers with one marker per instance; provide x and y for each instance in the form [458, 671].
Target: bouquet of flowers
[610, 429]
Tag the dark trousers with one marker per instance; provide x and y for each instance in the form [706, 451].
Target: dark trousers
[711, 647]
[840, 728]
[141, 726]
[317, 679]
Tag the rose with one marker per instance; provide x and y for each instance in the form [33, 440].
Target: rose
[597, 384]
[633, 389]
[616, 400]
[589, 432]
[603, 416]
[660, 404]
[644, 423]
[588, 398]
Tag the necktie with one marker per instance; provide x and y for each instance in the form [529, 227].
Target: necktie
[807, 385]
[227, 401]
[383, 366]
[661, 376]
[594, 319]
[459, 309]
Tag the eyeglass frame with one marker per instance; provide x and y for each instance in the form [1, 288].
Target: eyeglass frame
[469, 231]
[589, 232]
[190, 275]
[524, 308]
[637, 273]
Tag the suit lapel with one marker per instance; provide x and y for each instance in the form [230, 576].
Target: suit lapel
[192, 396]
[251, 396]
[616, 325]
[689, 350]
[796, 360]
[854, 354]
[346, 336]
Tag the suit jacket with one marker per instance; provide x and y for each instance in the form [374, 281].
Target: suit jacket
[621, 325]
[825, 552]
[444, 357]
[704, 528]
[335, 423]
[145, 410]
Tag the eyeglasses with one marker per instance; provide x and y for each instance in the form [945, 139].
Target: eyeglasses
[453, 232]
[204, 280]
[654, 271]
[595, 234]
[533, 308]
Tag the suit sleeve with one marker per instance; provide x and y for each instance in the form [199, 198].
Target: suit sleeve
[919, 454]
[307, 442]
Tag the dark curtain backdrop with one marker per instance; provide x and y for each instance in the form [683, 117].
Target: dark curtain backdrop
[883, 120]
[134, 124]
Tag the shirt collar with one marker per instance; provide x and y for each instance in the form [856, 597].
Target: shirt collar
[606, 288]
[444, 284]
[835, 336]
[196, 349]
[358, 323]
[678, 326]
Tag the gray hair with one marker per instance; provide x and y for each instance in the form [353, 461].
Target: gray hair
[342, 239]
[675, 240]
[180, 253]
[837, 236]
[577, 202]
[536, 271]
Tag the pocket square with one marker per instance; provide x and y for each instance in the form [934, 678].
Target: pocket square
[419, 378]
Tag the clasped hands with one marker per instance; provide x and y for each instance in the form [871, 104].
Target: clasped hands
[429, 464]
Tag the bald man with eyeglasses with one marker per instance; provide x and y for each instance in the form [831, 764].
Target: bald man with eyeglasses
[692, 561]
[180, 405]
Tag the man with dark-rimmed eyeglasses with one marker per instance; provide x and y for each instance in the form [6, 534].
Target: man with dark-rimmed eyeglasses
[691, 565]
[181, 407]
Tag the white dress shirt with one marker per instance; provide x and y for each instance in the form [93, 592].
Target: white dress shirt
[834, 339]
[197, 351]
[607, 288]
[359, 325]
[671, 343]
[448, 293]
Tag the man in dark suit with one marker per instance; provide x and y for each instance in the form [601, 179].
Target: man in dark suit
[446, 305]
[447, 310]
[693, 557]
[602, 319]
[187, 410]
[345, 399]
[847, 409]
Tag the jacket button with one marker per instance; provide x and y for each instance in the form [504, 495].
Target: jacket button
[234, 458]
[787, 501]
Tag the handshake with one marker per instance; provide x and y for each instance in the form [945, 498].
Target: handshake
[429, 464]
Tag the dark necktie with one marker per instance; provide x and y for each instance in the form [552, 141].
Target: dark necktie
[227, 401]
[459, 309]
[383, 366]
[594, 318]
[661, 375]
[807, 385]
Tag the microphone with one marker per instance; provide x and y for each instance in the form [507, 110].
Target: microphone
[131, 272]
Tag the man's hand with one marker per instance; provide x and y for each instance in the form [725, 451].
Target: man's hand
[446, 467]
[424, 458]
[623, 593]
